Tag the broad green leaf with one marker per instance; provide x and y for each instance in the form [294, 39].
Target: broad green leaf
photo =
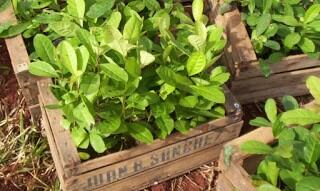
[99, 8]
[268, 187]
[64, 28]
[196, 63]
[82, 59]
[197, 42]
[84, 156]
[152, 5]
[174, 79]
[307, 45]
[277, 127]
[290, 178]
[146, 58]
[197, 9]
[309, 183]
[219, 75]
[272, 44]
[165, 123]
[137, 101]
[68, 57]
[14, 30]
[300, 117]
[140, 132]
[76, 8]
[291, 40]
[83, 115]
[132, 29]
[132, 66]
[188, 101]
[182, 126]
[269, 170]
[43, 69]
[312, 12]
[256, 147]
[137, 5]
[97, 142]
[271, 110]
[115, 19]
[211, 93]
[289, 103]
[260, 122]
[122, 46]
[267, 5]
[44, 48]
[88, 40]
[263, 23]
[109, 126]
[78, 135]
[286, 19]
[166, 90]
[313, 84]
[89, 85]
[115, 72]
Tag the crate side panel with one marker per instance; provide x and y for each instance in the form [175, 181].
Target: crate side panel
[155, 158]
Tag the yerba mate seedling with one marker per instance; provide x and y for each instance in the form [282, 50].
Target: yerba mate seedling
[135, 70]
[281, 28]
[293, 162]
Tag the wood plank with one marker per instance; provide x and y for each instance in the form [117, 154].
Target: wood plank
[144, 149]
[52, 146]
[158, 174]
[239, 178]
[155, 158]
[223, 184]
[275, 81]
[262, 95]
[288, 64]
[67, 150]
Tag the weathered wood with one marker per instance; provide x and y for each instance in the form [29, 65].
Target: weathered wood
[66, 149]
[19, 60]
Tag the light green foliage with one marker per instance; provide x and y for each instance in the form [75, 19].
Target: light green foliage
[130, 72]
[292, 162]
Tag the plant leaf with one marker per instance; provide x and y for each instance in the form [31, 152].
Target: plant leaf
[211, 93]
[271, 110]
[256, 147]
[43, 69]
[76, 8]
[313, 84]
[99, 8]
[196, 63]
[260, 122]
[89, 85]
[289, 103]
[312, 12]
[132, 29]
[97, 142]
[300, 117]
[140, 132]
[68, 57]
[115, 72]
[291, 40]
[44, 48]
[197, 9]
[263, 23]
[310, 183]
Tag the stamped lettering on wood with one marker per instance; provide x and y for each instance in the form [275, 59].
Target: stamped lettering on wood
[115, 172]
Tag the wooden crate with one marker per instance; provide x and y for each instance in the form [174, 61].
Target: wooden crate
[236, 175]
[249, 84]
[141, 166]
[19, 60]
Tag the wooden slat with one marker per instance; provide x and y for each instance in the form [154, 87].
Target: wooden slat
[155, 158]
[223, 184]
[53, 146]
[67, 150]
[288, 64]
[143, 149]
[161, 173]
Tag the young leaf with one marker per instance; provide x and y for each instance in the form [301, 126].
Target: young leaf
[260, 122]
[76, 8]
[307, 45]
[82, 59]
[300, 117]
[97, 142]
[78, 135]
[188, 101]
[89, 85]
[115, 72]
[109, 126]
[44, 48]
[146, 58]
[286, 19]
[263, 23]
[197, 9]
[43, 69]
[182, 126]
[152, 5]
[271, 110]
[165, 123]
[289, 103]
[68, 57]
[140, 132]
[64, 28]
[256, 147]
[291, 40]
[269, 170]
[210, 93]
[312, 12]
[132, 29]
[99, 8]
[83, 115]
[313, 84]
[196, 63]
